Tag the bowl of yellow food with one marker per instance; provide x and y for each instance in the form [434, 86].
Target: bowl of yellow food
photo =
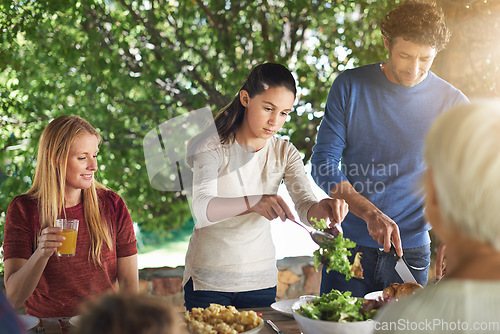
[223, 319]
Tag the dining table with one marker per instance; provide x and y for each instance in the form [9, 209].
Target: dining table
[286, 323]
[52, 326]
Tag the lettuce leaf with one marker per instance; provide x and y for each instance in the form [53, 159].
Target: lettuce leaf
[336, 306]
[335, 256]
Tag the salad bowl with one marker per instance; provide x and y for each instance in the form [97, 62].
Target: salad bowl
[312, 326]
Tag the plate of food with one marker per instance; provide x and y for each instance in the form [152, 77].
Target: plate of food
[29, 321]
[375, 295]
[223, 318]
[396, 291]
[284, 306]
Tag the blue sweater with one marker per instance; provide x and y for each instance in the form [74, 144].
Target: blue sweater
[375, 130]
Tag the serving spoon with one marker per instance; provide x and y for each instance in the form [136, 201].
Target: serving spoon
[320, 237]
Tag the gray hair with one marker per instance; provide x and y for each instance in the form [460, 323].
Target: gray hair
[463, 153]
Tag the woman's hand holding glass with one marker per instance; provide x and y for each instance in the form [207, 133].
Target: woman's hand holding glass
[49, 240]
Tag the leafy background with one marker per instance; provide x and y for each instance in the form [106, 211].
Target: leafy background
[128, 66]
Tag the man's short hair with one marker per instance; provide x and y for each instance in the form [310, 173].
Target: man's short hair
[416, 21]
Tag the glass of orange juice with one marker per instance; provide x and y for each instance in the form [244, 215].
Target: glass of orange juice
[70, 231]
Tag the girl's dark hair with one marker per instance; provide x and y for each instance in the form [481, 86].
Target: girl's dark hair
[262, 77]
[229, 119]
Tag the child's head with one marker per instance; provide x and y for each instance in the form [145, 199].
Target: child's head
[269, 75]
[261, 78]
[137, 314]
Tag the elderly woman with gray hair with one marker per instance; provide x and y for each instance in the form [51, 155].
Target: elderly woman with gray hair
[462, 186]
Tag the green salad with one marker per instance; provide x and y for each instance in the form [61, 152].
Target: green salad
[335, 256]
[337, 306]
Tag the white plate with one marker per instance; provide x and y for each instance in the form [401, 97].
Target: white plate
[29, 321]
[284, 306]
[74, 320]
[376, 295]
[256, 329]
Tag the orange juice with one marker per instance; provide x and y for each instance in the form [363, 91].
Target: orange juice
[68, 247]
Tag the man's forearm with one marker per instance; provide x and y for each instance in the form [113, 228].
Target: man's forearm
[380, 227]
[358, 204]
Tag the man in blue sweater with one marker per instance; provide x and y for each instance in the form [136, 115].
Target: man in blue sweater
[369, 148]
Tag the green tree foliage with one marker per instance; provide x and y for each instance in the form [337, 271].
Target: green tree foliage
[127, 66]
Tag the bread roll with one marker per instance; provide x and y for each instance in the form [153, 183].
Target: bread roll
[397, 290]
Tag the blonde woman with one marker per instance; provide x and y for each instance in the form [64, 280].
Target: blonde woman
[64, 187]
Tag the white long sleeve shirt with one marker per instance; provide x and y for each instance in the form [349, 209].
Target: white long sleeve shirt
[238, 254]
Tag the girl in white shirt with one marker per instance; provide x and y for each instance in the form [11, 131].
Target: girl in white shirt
[236, 174]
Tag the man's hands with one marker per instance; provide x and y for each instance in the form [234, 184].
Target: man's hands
[380, 227]
[329, 208]
[384, 230]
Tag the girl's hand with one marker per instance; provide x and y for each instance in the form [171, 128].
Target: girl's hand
[329, 208]
[271, 207]
[48, 241]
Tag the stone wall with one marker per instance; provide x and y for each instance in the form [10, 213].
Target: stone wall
[296, 277]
